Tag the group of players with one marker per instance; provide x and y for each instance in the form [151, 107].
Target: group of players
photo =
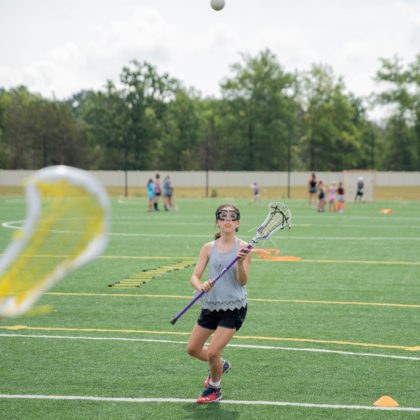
[155, 189]
[317, 191]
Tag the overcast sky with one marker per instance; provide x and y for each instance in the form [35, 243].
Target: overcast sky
[62, 46]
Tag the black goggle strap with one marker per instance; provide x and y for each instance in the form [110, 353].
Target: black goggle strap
[233, 214]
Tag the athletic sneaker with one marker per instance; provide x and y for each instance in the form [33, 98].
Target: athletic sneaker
[226, 368]
[210, 395]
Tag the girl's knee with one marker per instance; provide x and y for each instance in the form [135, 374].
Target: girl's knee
[192, 350]
[213, 354]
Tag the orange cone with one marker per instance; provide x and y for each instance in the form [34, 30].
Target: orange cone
[386, 401]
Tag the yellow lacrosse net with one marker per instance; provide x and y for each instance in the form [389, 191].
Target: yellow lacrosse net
[64, 229]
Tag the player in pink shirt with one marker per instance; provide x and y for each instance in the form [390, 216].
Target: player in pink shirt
[331, 196]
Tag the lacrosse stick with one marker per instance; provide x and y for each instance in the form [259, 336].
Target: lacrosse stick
[66, 226]
[279, 217]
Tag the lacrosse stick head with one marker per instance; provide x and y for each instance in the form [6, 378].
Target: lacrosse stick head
[66, 226]
[279, 217]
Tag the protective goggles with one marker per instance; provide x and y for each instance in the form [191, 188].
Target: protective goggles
[233, 214]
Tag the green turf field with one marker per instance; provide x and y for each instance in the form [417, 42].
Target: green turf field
[325, 336]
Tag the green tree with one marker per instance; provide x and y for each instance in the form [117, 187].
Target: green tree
[38, 132]
[126, 124]
[332, 139]
[258, 115]
[402, 94]
[15, 138]
[146, 96]
[183, 132]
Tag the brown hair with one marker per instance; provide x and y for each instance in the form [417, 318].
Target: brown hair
[217, 235]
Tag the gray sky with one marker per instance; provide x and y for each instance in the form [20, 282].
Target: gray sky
[63, 46]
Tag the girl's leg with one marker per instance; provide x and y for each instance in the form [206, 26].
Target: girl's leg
[198, 338]
[220, 339]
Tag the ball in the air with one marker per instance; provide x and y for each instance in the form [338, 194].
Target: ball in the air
[217, 4]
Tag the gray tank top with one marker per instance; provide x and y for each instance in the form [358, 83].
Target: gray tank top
[227, 293]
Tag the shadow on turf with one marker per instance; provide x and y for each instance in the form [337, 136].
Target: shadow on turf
[215, 410]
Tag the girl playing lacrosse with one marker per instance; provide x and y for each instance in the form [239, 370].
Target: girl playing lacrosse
[321, 196]
[224, 304]
[332, 191]
[257, 197]
[312, 189]
[150, 194]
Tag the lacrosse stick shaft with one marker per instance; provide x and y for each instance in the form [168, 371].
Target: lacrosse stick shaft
[173, 320]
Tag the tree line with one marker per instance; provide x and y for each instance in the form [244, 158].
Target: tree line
[266, 119]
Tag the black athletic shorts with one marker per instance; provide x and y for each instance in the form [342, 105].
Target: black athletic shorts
[227, 319]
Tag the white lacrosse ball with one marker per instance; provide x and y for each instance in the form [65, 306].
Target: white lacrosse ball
[217, 4]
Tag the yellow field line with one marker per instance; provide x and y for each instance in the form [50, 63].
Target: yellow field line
[327, 302]
[25, 327]
[323, 302]
[137, 257]
[272, 260]
[267, 259]
[347, 343]
[241, 337]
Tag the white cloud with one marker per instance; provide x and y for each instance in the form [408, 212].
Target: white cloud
[76, 45]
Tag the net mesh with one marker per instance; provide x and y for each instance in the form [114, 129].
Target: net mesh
[70, 218]
[279, 216]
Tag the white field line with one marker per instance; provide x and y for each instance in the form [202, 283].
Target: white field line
[311, 238]
[316, 217]
[11, 225]
[248, 346]
[190, 400]
[187, 235]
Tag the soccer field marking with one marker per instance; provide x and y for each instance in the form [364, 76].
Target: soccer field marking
[376, 217]
[10, 225]
[193, 400]
[237, 337]
[306, 238]
[346, 343]
[265, 260]
[360, 262]
[194, 259]
[246, 346]
[322, 302]
[376, 226]
[204, 223]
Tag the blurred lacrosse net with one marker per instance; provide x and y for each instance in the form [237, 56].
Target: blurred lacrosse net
[66, 226]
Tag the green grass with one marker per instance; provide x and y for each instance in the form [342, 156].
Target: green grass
[350, 292]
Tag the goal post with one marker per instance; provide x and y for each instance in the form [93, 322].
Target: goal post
[351, 178]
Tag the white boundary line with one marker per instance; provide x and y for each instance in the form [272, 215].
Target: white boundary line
[189, 400]
[9, 225]
[249, 346]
